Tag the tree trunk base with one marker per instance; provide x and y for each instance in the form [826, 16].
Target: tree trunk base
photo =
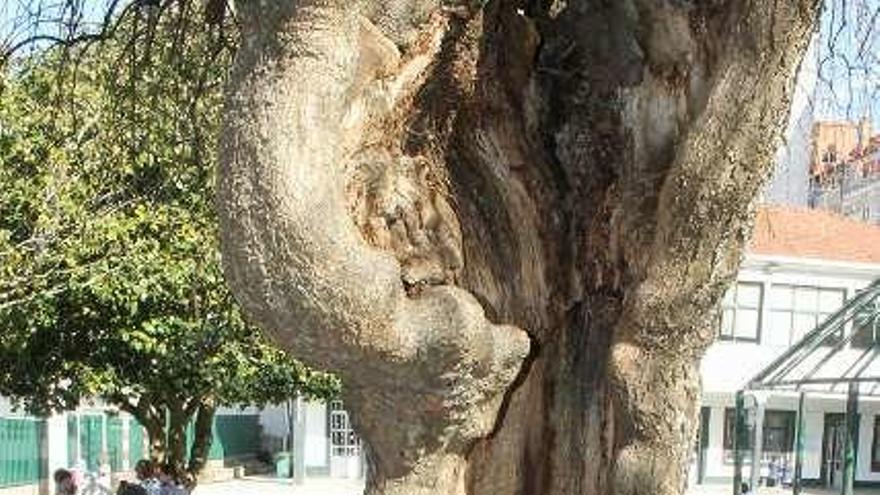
[435, 475]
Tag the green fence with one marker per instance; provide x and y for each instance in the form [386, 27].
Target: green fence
[136, 450]
[114, 443]
[20, 448]
[85, 439]
[237, 435]
[233, 436]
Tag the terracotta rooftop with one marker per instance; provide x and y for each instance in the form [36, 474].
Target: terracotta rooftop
[804, 233]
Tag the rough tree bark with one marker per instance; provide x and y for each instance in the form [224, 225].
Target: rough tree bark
[506, 226]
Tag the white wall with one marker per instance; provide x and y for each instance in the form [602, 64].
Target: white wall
[813, 426]
[715, 466]
[56, 445]
[273, 419]
[316, 435]
[866, 437]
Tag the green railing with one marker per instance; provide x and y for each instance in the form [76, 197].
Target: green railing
[20, 449]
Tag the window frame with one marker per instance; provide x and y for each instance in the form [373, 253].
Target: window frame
[728, 427]
[816, 313]
[343, 441]
[790, 418]
[728, 433]
[871, 327]
[735, 307]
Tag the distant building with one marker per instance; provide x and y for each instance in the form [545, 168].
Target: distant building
[835, 143]
[845, 170]
[801, 266]
[789, 184]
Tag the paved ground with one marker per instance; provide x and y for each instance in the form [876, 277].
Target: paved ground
[726, 489]
[272, 486]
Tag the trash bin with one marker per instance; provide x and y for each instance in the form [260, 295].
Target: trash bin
[282, 465]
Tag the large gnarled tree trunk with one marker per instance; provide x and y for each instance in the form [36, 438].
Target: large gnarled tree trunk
[506, 226]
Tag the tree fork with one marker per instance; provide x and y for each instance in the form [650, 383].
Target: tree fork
[402, 192]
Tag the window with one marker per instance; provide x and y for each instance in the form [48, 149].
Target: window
[795, 310]
[729, 433]
[741, 312]
[866, 326]
[830, 155]
[777, 437]
[778, 431]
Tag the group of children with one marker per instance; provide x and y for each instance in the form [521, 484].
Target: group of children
[152, 479]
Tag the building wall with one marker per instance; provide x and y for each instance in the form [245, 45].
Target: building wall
[718, 468]
[320, 456]
[274, 421]
[841, 137]
[789, 184]
[853, 190]
[317, 445]
[716, 373]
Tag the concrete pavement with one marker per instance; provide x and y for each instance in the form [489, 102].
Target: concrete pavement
[258, 485]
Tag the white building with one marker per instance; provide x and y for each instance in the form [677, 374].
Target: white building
[323, 443]
[800, 268]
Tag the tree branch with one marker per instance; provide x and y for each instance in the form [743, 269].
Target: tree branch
[295, 115]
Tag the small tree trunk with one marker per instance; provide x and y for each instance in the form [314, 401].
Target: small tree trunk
[175, 457]
[203, 438]
[157, 441]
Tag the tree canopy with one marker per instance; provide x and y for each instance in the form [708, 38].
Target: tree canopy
[110, 283]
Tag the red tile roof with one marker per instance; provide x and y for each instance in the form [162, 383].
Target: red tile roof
[804, 233]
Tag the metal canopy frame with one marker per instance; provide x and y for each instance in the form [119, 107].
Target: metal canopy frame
[825, 348]
[820, 362]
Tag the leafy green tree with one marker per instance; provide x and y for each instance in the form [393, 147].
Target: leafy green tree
[110, 280]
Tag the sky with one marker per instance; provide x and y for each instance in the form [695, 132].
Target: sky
[20, 19]
[846, 61]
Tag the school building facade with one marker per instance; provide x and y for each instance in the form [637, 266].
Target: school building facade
[801, 266]
[104, 444]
